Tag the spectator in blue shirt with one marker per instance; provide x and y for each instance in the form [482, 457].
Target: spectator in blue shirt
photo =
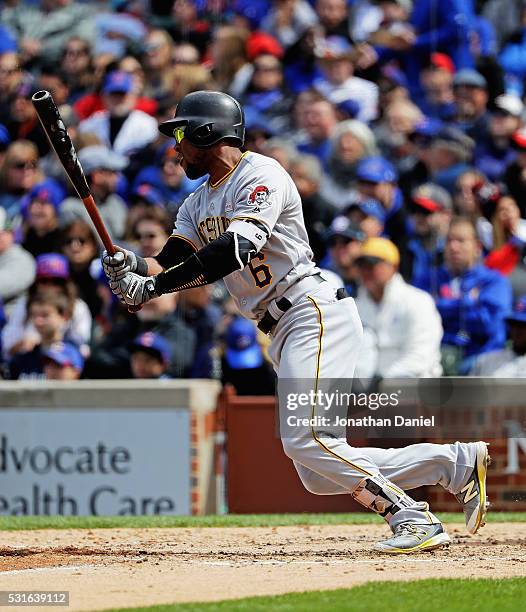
[431, 207]
[377, 180]
[473, 301]
[494, 154]
[434, 25]
[450, 156]
[301, 68]
[7, 40]
[319, 121]
[436, 79]
[471, 94]
[512, 57]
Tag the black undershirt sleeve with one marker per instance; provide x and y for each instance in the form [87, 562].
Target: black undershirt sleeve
[174, 252]
[226, 254]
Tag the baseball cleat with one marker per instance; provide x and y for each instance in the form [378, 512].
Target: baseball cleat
[411, 537]
[473, 496]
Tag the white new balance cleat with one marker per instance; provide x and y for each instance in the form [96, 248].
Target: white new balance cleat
[473, 496]
[411, 538]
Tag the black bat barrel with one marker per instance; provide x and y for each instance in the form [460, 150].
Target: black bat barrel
[55, 129]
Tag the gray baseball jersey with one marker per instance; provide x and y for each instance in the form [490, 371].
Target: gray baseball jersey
[259, 190]
[318, 339]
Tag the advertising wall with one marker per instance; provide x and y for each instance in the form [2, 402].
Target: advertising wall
[102, 462]
[112, 448]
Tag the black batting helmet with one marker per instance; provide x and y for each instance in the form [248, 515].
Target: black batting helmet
[207, 117]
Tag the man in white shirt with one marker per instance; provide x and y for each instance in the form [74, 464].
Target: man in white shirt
[339, 83]
[402, 327]
[120, 127]
[509, 362]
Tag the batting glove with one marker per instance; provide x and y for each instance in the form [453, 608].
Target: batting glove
[118, 265]
[134, 290]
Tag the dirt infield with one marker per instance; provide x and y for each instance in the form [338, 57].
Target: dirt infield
[107, 568]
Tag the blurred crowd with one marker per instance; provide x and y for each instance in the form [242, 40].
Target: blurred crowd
[401, 122]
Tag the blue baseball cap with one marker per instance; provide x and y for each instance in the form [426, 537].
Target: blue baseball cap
[243, 350]
[428, 127]
[469, 78]
[349, 108]
[65, 354]
[395, 75]
[149, 194]
[370, 208]
[45, 191]
[342, 226]
[118, 81]
[519, 311]
[52, 265]
[376, 170]
[154, 344]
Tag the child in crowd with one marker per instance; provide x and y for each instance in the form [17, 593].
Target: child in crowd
[62, 361]
[49, 312]
[150, 356]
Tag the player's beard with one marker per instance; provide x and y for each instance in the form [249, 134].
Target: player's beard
[194, 171]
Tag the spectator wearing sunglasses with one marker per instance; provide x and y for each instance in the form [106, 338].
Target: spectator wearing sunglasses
[158, 64]
[77, 65]
[267, 93]
[18, 175]
[81, 249]
[151, 230]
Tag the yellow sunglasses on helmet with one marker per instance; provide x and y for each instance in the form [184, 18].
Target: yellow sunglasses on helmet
[178, 134]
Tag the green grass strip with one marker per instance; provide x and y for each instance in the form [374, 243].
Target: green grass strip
[228, 520]
[434, 595]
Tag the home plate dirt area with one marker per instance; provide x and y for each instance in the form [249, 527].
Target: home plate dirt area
[111, 568]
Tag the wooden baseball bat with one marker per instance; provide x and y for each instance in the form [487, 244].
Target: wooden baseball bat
[58, 136]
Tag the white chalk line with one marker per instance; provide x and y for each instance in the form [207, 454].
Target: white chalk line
[405, 559]
[380, 560]
[43, 570]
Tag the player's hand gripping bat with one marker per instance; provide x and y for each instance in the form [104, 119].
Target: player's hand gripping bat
[55, 129]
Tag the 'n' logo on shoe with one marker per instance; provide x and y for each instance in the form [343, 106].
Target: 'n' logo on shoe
[471, 491]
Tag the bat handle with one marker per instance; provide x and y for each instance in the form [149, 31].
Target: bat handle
[94, 214]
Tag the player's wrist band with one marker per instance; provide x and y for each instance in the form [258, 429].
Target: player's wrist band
[141, 267]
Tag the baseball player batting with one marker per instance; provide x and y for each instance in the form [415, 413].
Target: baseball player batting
[245, 225]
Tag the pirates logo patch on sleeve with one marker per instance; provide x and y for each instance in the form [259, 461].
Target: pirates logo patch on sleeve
[260, 197]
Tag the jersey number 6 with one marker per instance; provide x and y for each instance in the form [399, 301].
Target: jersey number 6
[261, 273]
